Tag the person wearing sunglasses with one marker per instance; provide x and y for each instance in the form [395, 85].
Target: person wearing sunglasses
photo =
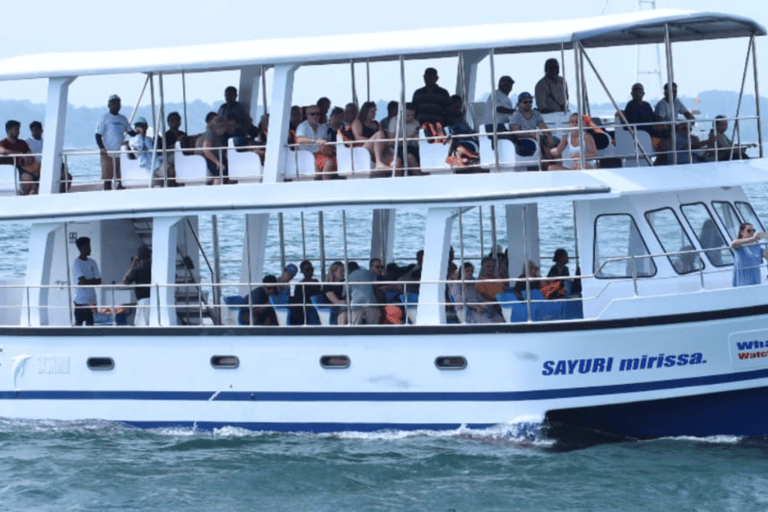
[748, 255]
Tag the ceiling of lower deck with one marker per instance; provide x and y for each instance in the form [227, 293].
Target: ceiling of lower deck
[622, 29]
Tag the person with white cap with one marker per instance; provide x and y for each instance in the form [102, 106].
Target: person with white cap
[110, 133]
[148, 153]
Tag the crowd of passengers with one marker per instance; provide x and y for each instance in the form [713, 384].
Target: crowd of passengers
[380, 293]
[319, 128]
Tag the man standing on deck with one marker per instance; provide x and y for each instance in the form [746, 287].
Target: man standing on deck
[551, 91]
[85, 271]
[431, 101]
[110, 133]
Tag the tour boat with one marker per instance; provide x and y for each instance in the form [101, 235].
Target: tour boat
[658, 342]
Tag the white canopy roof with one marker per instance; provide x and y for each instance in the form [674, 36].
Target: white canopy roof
[621, 29]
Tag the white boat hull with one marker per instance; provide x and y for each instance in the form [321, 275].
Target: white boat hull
[514, 374]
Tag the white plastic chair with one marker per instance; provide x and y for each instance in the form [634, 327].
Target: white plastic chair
[299, 165]
[432, 156]
[133, 175]
[630, 155]
[508, 157]
[243, 166]
[189, 168]
[352, 162]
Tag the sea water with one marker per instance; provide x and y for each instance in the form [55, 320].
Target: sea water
[95, 466]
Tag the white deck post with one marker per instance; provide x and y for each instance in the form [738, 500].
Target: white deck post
[522, 235]
[252, 267]
[165, 232]
[282, 93]
[35, 300]
[437, 243]
[53, 134]
[383, 235]
[248, 89]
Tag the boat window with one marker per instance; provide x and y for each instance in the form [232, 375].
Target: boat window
[225, 362]
[674, 239]
[708, 234]
[451, 362]
[619, 249]
[749, 215]
[335, 362]
[100, 363]
[728, 218]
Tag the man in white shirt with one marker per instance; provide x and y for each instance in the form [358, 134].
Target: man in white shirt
[35, 142]
[85, 271]
[110, 133]
[502, 103]
[311, 136]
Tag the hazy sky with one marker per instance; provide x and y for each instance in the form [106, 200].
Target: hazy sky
[85, 25]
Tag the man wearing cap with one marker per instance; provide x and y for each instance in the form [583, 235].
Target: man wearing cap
[431, 101]
[551, 91]
[289, 272]
[110, 133]
[524, 123]
[640, 112]
[502, 103]
[149, 153]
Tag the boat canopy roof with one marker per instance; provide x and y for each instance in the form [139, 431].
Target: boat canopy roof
[643, 27]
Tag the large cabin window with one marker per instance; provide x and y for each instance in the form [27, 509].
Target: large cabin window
[674, 240]
[708, 234]
[749, 215]
[620, 251]
[728, 217]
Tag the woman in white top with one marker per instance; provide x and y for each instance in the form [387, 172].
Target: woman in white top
[569, 149]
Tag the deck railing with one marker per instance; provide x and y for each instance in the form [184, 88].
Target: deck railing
[192, 305]
[618, 145]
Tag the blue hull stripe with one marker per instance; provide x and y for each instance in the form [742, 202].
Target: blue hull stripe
[280, 396]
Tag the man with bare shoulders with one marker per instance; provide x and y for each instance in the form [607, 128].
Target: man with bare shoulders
[28, 168]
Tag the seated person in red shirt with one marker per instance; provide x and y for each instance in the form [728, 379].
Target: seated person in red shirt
[29, 169]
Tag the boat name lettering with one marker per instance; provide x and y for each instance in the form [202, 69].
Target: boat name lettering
[51, 364]
[605, 364]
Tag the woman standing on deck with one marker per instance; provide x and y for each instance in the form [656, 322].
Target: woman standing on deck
[747, 255]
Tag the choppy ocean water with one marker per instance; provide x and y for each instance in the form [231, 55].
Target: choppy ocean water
[85, 466]
[95, 467]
